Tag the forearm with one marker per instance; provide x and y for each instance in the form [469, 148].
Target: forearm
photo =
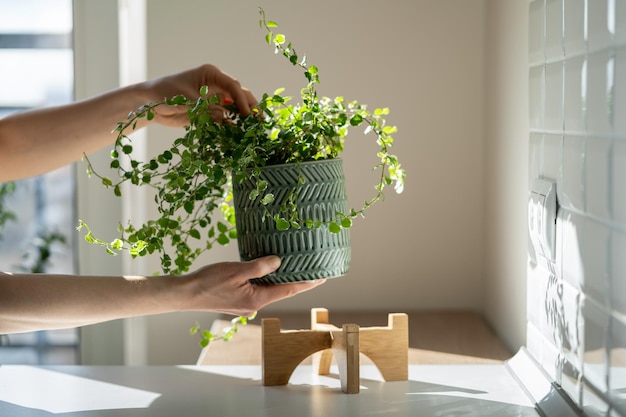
[38, 302]
[37, 141]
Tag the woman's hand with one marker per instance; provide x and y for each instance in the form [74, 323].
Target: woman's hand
[188, 84]
[226, 288]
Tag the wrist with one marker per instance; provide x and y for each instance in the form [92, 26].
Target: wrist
[179, 292]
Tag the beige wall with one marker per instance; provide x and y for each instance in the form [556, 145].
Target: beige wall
[445, 243]
[419, 250]
[506, 168]
[423, 60]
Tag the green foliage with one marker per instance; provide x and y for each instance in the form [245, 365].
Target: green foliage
[42, 243]
[193, 178]
[6, 215]
[206, 336]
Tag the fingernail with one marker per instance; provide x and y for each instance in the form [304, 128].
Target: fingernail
[228, 100]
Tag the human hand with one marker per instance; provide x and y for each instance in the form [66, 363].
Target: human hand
[188, 84]
[225, 287]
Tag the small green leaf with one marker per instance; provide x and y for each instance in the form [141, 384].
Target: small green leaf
[356, 120]
[138, 248]
[334, 228]
[267, 199]
[223, 240]
[253, 195]
[117, 244]
[279, 39]
[346, 222]
[282, 224]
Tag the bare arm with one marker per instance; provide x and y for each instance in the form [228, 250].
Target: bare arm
[37, 141]
[37, 302]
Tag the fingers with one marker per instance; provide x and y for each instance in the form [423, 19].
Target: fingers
[262, 266]
[243, 98]
[272, 293]
[225, 287]
[188, 84]
[263, 295]
[233, 92]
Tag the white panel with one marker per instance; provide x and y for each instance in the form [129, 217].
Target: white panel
[597, 171]
[598, 28]
[536, 101]
[597, 104]
[618, 182]
[595, 262]
[573, 108]
[574, 33]
[536, 41]
[554, 31]
[619, 92]
[553, 112]
[572, 193]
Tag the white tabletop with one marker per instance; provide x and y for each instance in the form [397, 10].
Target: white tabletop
[200, 391]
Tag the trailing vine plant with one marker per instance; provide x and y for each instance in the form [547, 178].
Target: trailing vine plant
[192, 179]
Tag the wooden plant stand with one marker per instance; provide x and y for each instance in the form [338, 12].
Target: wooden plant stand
[387, 347]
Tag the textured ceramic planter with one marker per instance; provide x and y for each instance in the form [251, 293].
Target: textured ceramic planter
[306, 254]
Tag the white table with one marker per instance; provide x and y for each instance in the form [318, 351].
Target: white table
[200, 391]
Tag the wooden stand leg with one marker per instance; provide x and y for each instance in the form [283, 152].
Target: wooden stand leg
[322, 359]
[346, 350]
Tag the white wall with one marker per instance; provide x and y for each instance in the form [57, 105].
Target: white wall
[506, 169]
[454, 75]
[576, 303]
[423, 59]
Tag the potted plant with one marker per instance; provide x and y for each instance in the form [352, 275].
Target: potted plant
[215, 183]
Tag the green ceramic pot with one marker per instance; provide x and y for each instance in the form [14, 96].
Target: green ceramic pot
[306, 254]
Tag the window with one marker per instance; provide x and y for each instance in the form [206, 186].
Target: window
[37, 70]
